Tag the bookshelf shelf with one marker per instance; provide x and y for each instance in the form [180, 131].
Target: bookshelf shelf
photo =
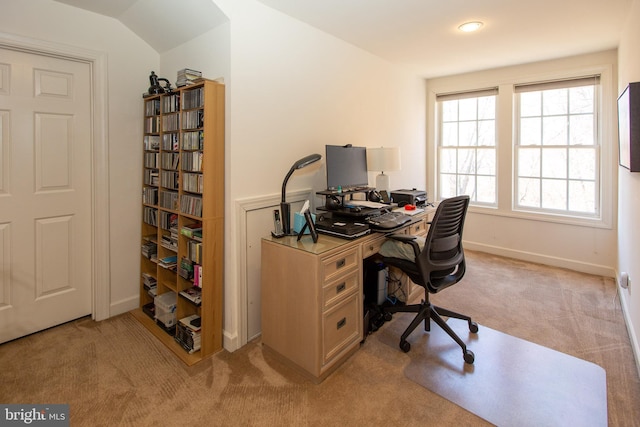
[183, 219]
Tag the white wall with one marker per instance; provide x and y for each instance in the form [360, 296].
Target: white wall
[291, 89]
[629, 189]
[129, 62]
[591, 249]
[295, 89]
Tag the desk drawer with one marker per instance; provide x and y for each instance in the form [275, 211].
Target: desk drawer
[339, 289]
[418, 229]
[341, 327]
[334, 266]
[372, 247]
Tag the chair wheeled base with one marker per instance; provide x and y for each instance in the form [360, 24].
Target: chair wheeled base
[425, 312]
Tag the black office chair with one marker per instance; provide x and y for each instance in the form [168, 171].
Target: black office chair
[438, 265]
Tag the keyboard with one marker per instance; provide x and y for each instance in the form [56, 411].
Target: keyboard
[388, 220]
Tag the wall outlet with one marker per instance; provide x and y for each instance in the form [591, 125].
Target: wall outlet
[625, 281]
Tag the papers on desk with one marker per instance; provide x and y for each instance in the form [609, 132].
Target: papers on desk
[366, 204]
[406, 212]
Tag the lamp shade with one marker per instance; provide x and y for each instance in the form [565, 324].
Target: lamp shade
[383, 159]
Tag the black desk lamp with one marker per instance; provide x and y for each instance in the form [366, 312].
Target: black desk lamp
[284, 206]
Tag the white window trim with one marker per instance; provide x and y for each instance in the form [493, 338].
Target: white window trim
[607, 134]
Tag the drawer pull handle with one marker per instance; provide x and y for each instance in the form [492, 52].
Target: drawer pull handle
[341, 287]
[340, 263]
[341, 323]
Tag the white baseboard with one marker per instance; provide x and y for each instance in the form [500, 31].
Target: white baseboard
[624, 295]
[123, 306]
[583, 267]
[230, 342]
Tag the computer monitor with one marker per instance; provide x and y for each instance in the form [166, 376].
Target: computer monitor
[346, 167]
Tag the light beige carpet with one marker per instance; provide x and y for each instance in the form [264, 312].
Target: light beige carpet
[115, 373]
[512, 382]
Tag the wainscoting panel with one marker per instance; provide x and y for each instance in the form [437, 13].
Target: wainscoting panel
[255, 220]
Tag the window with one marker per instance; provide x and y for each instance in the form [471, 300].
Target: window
[467, 145]
[557, 156]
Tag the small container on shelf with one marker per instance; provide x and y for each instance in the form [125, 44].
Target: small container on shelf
[166, 309]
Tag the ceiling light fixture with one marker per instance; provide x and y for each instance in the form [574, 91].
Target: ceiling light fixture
[469, 27]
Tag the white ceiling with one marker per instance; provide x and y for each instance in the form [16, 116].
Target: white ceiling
[418, 33]
[159, 22]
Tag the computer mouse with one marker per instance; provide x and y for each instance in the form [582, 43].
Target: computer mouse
[409, 207]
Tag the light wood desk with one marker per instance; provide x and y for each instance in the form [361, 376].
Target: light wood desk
[312, 296]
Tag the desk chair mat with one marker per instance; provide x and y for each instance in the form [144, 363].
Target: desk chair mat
[512, 382]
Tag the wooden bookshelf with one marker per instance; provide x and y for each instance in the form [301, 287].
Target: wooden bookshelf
[183, 186]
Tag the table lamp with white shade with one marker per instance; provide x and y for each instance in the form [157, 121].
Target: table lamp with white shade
[383, 159]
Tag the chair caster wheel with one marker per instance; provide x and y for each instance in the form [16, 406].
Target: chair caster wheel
[469, 357]
[388, 317]
[405, 346]
[473, 327]
[377, 323]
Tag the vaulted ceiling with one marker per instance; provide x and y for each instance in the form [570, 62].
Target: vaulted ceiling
[161, 23]
[417, 33]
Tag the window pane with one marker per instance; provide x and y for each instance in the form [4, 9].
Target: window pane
[581, 100]
[582, 163]
[467, 185]
[468, 136]
[554, 130]
[581, 130]
[450, 111]
[468, 109]
[448, 160]
[554, 163]
[530, 131]
[529, 162]
[486, 189]
[554, 102]
[450, 134]
[467, 161]
[487, 107]
[554, 194]
[487, 132]
[486, 161]
[582, 197]
[448, 185]
[529, 192]
[530, 104]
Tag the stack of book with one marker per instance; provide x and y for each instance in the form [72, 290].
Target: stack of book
[187, 76]
[150, 284]
[168, 262]
[188, 333]
[193, 294]
[185, 270]
[149, 250]
[192, 231]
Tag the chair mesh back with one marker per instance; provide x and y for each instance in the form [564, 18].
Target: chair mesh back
[442, 260]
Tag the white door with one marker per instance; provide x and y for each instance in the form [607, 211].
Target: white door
[45, 192]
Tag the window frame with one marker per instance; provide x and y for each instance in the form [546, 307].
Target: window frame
[577, 81]
[458, 96]
[505, 79]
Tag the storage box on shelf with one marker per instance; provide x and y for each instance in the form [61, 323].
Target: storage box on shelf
[183, 219]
